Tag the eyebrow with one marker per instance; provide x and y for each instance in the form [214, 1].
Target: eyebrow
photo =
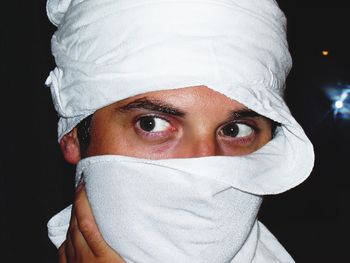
[163, 107]
[153, 105]
[244, 113]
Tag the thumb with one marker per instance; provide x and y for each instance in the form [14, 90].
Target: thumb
[88, 226]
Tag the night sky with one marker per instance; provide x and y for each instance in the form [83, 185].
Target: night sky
[311, 221]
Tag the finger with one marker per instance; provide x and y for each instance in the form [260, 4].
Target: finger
[87, 225]
[76, 240]
[90, 231]
[62, 254]
[69, 249]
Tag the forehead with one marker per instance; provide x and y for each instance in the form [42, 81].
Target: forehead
[187, 98]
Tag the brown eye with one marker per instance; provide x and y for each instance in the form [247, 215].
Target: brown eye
[236, 130]
[152, 124]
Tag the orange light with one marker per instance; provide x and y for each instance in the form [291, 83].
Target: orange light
[325, 52]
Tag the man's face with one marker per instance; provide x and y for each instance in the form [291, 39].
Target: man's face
[180, 123]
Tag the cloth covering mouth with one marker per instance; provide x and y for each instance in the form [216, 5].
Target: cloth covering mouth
[194, 211]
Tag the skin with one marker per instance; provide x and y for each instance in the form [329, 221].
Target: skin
[182, 123]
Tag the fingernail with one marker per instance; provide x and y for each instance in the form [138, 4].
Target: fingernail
[80, 184]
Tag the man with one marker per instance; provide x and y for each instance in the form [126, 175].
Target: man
[176, 104]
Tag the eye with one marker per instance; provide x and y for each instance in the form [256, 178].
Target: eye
[153, 124]
[236, 130]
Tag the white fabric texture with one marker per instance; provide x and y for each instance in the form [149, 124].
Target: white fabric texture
[167, 211]
[109, 50]
[266, 247]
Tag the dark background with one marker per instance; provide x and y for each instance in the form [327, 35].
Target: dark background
[311, 221]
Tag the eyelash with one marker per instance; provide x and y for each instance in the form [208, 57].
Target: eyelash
[152, 134]
[239, 140]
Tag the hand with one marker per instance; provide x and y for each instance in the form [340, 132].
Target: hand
[84, 243]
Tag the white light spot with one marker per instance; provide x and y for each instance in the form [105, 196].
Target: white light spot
[338, 104]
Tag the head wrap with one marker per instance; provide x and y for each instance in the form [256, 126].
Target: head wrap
[109, 50]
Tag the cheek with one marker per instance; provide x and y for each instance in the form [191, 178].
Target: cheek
[229, 150]
[245, 147]
[104, 137]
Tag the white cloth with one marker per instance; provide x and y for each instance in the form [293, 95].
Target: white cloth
[266, 247]
[108, 50]
[179, 210]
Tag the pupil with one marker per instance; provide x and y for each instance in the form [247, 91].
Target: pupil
[147, 123]
[230, 130]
